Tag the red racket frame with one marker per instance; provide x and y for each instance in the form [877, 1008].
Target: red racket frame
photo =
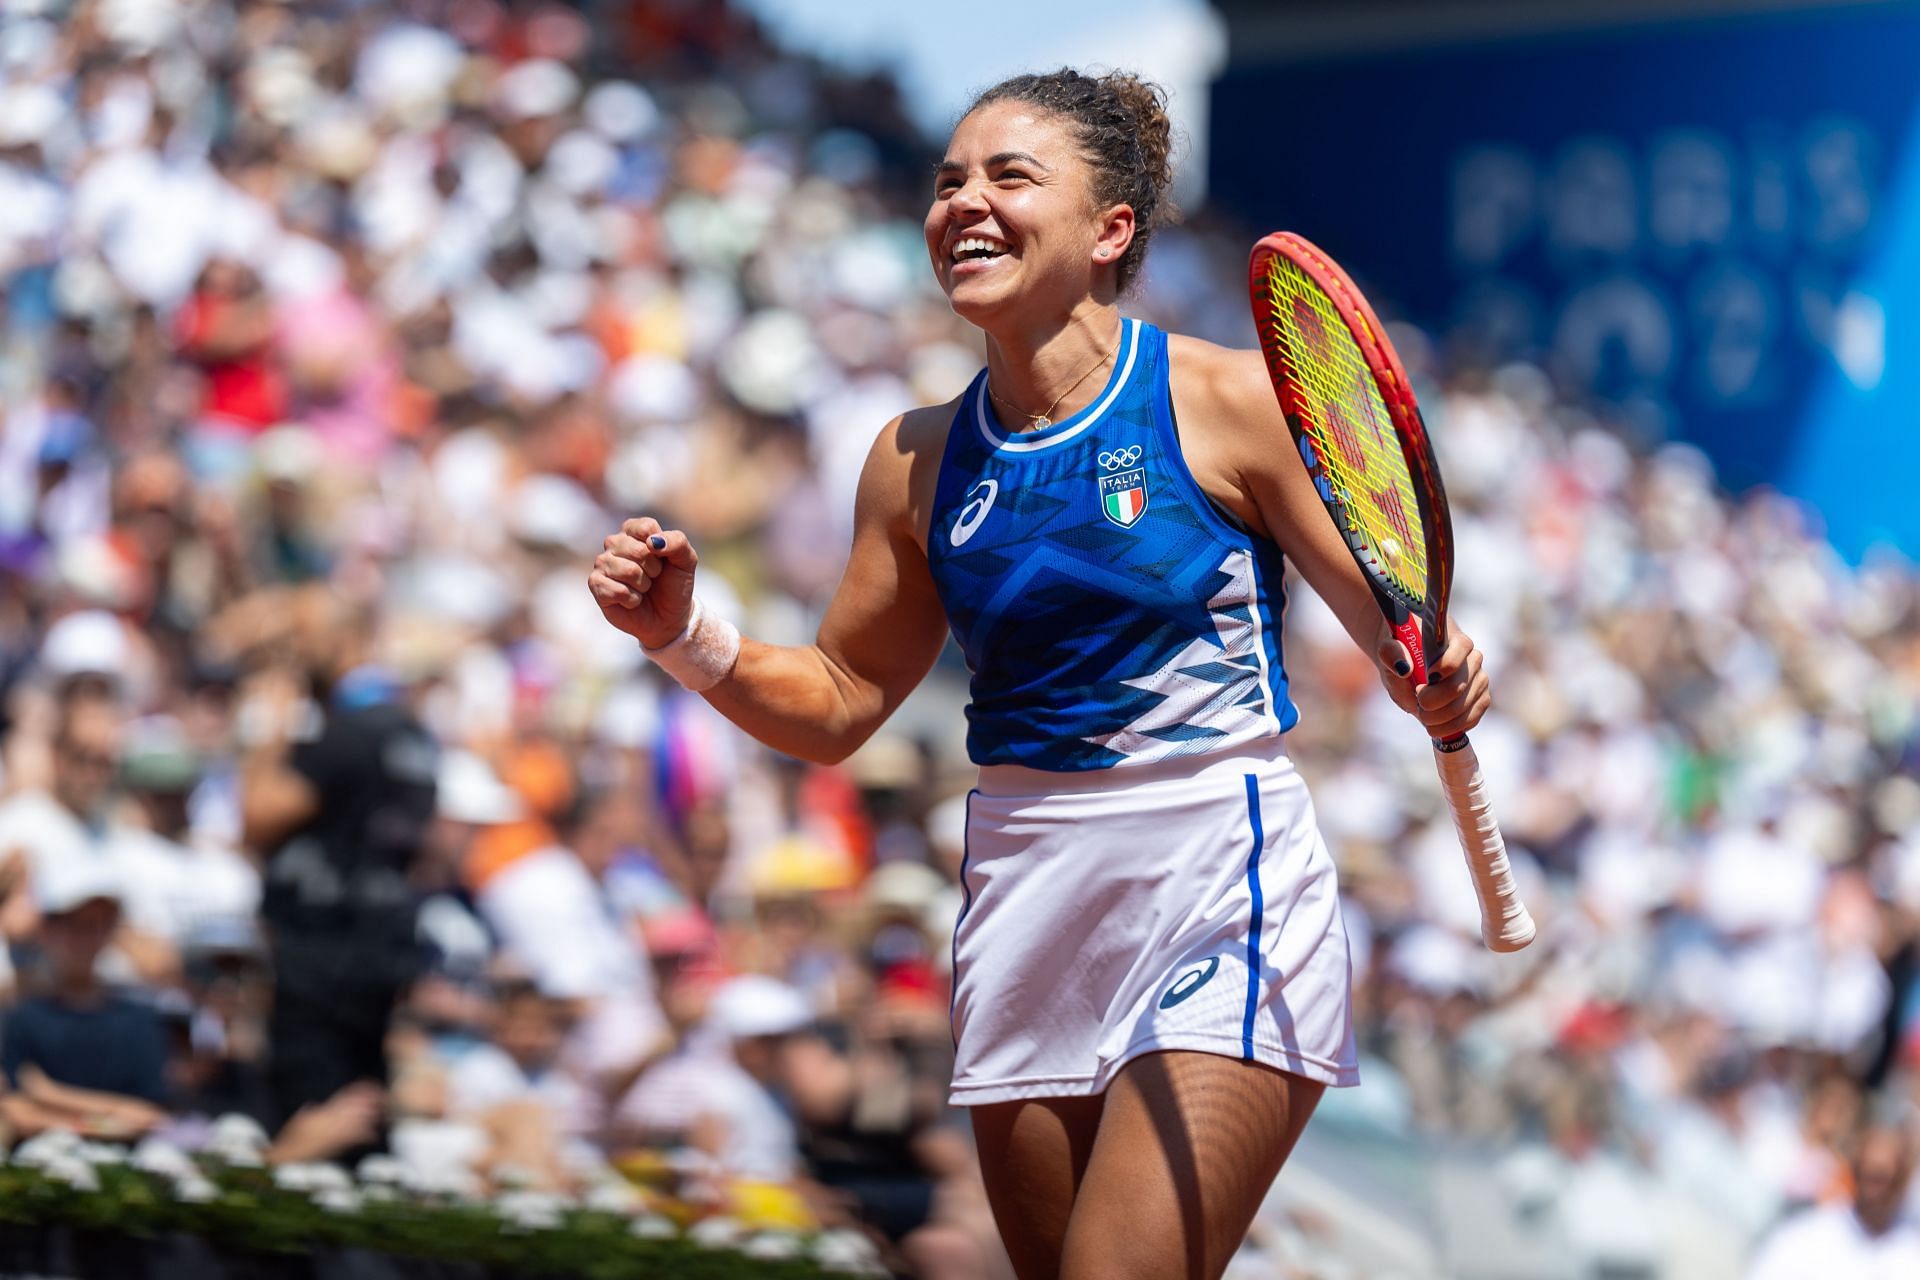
[1410, 429]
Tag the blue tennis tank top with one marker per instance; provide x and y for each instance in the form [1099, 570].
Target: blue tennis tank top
[1109, 613]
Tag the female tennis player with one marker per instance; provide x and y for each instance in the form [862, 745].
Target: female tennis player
[1151, 982]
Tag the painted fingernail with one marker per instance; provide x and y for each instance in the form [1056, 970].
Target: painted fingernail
[657, 542]
[1402, 667]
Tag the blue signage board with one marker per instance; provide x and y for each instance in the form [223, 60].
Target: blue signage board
[1713, 226]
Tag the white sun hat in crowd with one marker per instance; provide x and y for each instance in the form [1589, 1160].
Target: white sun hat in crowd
[29, 114]
[756, 1005]
[536, 87]
[621, 110]
[905, 887]
[468, 790]
[73, 878]
[947, 824]
[555, 511]
[87, 642]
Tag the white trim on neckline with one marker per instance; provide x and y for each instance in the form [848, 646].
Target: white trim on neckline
[1129, 342]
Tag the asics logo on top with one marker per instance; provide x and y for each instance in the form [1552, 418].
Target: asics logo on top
[1115, 459]
[974, 512]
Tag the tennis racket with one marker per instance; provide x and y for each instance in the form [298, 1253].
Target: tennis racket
[1352, 414]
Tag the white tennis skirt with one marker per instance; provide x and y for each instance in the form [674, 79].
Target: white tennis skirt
[1185, 905]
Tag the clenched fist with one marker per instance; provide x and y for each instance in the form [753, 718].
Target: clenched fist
[643, 580]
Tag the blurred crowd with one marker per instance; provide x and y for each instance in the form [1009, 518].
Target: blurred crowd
[335, 335]
[1704, 744]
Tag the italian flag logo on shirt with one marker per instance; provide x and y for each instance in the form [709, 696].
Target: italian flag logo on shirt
[1123, 490]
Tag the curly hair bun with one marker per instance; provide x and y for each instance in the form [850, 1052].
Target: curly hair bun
[1146, 102]
[1120, 121]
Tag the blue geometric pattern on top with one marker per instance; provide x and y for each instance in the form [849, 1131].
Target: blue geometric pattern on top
[1111, 624]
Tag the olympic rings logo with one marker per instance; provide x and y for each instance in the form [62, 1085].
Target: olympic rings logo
[1118, 458]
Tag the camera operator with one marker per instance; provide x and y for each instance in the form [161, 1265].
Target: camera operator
[337, 791]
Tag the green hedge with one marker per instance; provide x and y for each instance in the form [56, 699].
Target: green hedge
[244, 1211]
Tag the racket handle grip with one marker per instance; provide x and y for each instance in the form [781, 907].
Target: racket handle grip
[1505, 924]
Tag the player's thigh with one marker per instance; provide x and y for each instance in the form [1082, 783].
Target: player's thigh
[1033, 1155]
[1188, 1145]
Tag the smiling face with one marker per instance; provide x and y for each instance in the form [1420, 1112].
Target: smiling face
[1013, 225]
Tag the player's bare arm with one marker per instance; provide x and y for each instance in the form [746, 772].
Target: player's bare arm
[1236, 443]
[882, 630]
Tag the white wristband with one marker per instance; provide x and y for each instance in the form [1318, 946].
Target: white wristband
[704, 652]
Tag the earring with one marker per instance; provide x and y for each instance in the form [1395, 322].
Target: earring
[1103, 253]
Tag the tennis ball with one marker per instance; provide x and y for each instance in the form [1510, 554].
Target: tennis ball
[1390, 552]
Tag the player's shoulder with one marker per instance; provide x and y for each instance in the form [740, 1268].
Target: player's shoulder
[912, 437]
[1185, 349]
[916, 430]
[1211, 373]
[926, 427]
[903, 466]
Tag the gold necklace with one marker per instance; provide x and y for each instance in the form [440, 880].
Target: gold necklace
[1041, 421]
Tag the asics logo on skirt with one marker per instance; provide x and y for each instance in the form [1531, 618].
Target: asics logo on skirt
[1190, 981]
[974, 511]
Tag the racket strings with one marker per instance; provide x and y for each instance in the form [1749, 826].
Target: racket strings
[1345, 417]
